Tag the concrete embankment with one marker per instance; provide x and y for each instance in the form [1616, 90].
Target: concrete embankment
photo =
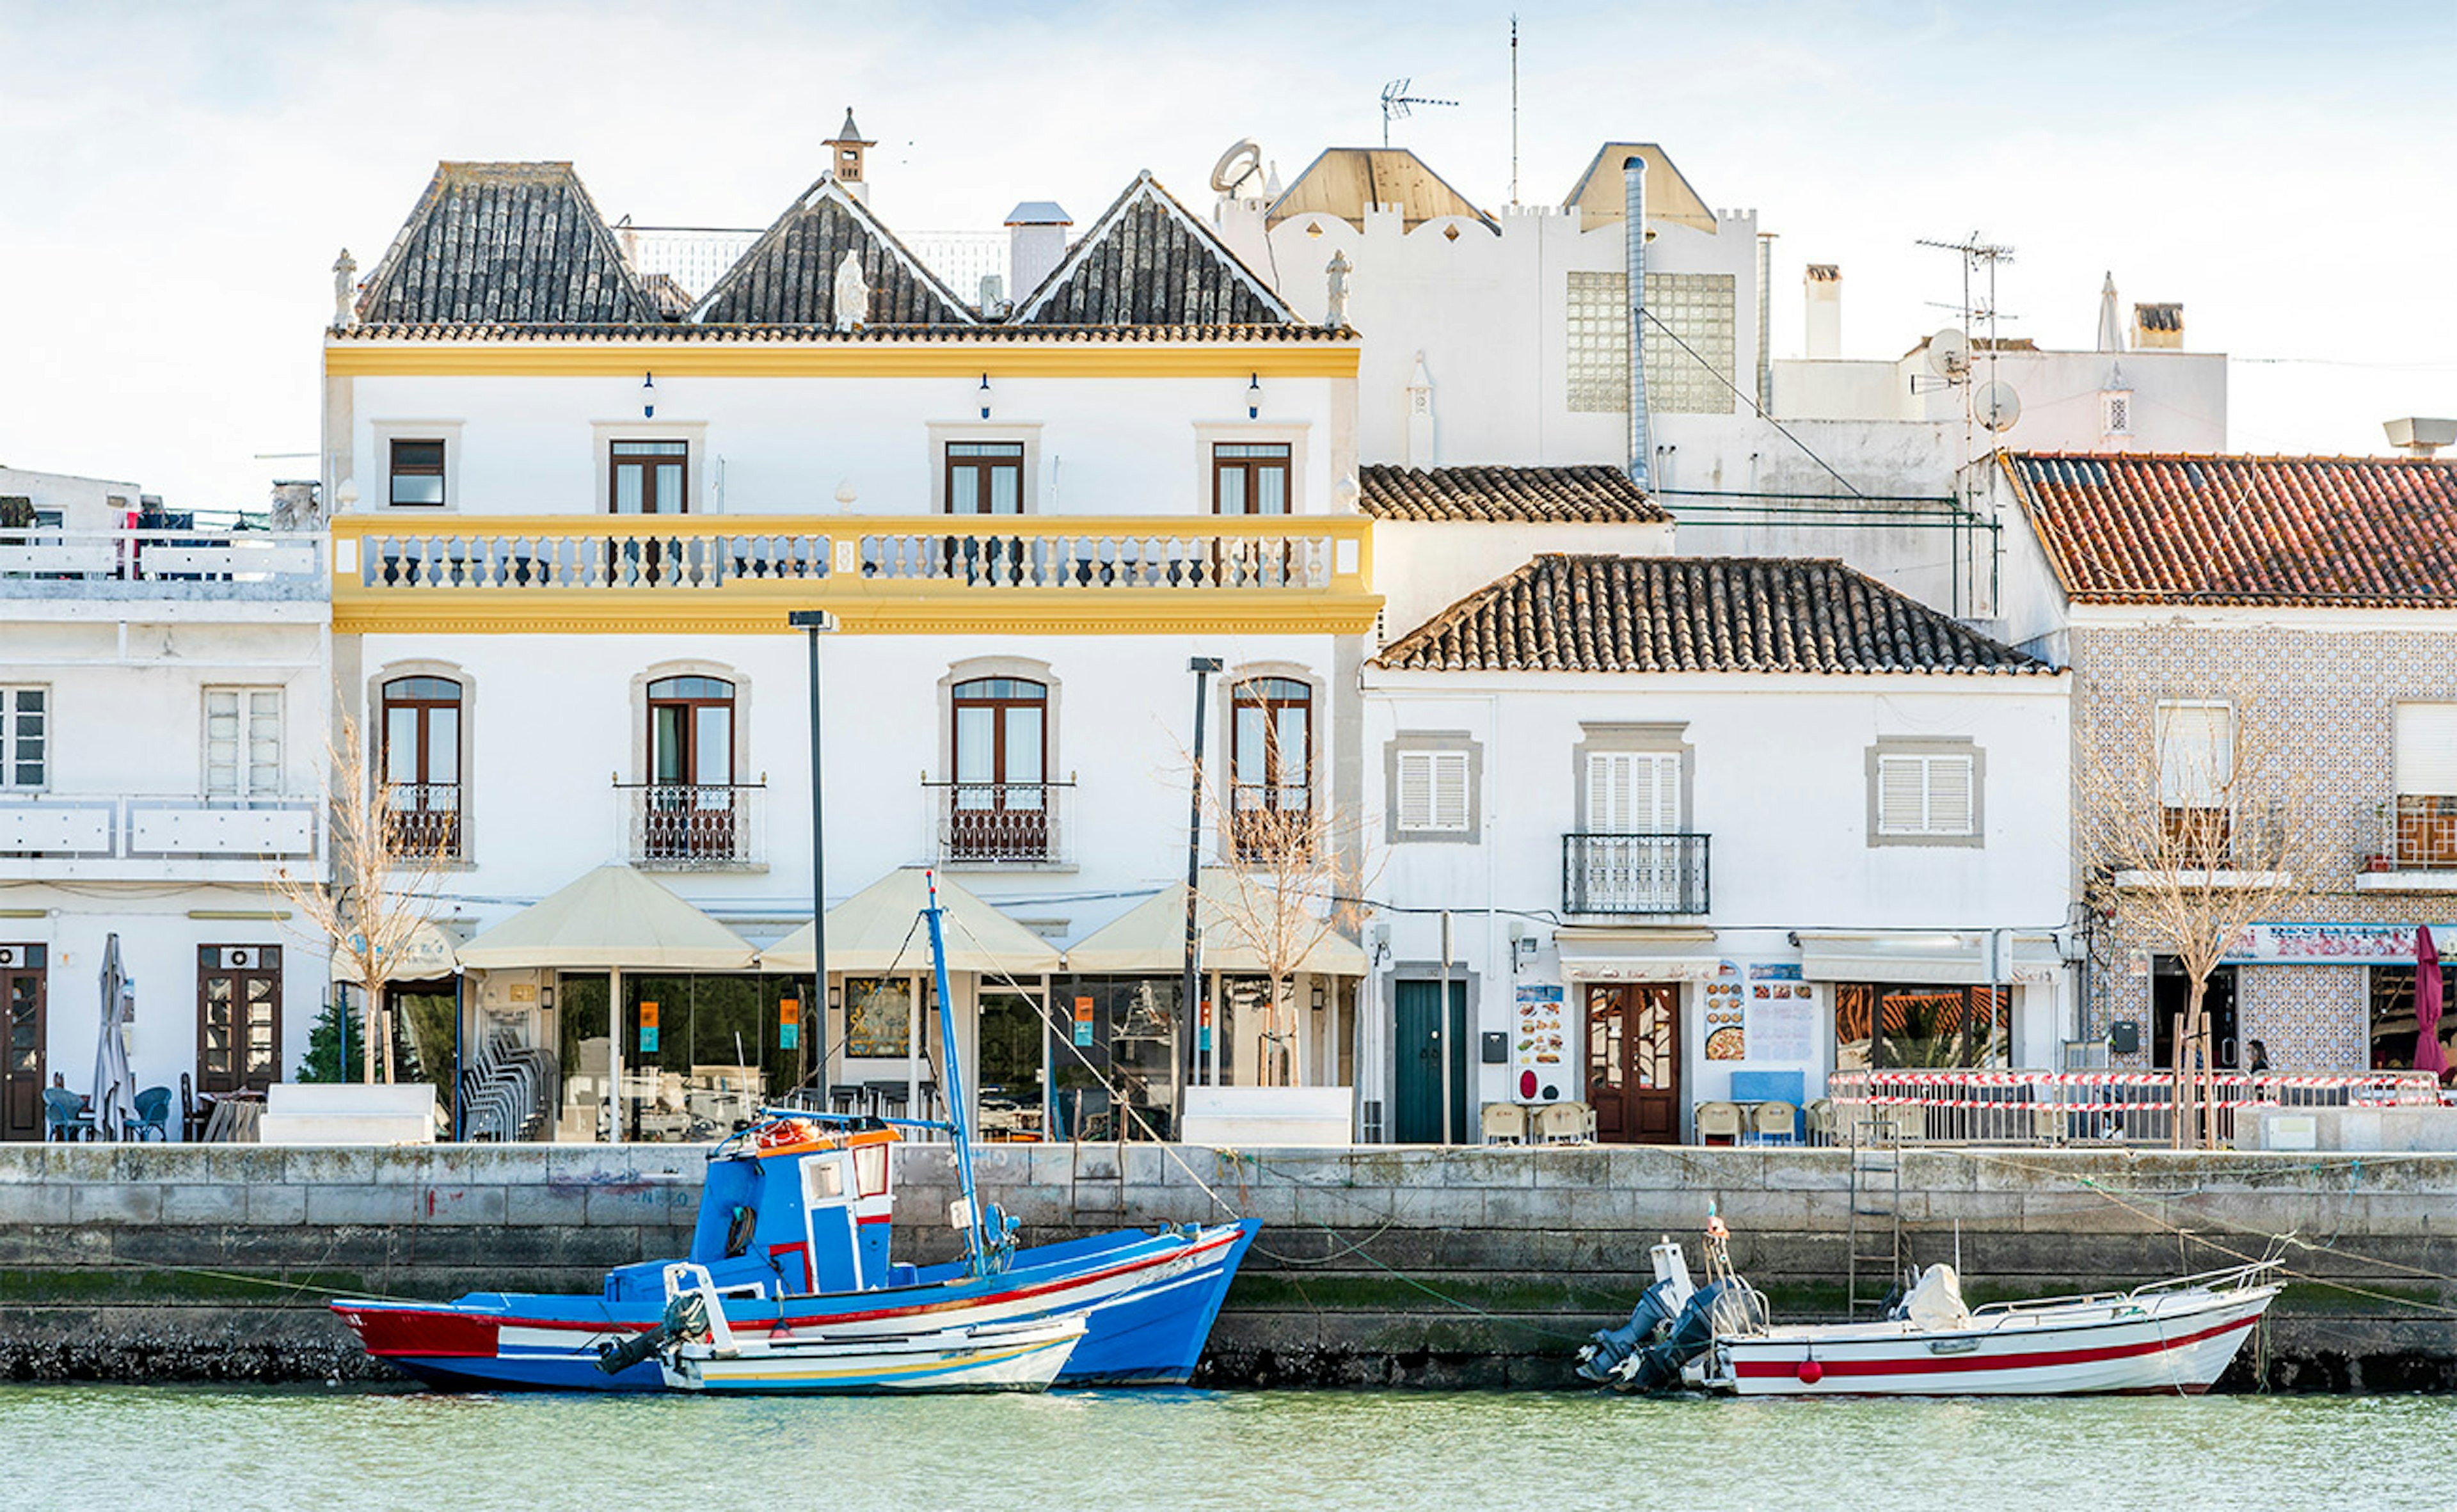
[1377, 1266]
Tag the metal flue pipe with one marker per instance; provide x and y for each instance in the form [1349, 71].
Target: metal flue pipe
[1641, 443]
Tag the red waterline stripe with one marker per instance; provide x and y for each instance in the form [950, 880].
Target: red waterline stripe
[2035, 1361]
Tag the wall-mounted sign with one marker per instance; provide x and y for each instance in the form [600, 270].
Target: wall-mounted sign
[1780, 1014]
[1083, 1021]
[1727, 1035]
[789, 1023]
[1540, 1037]
[2333, 945]
[647, 1029]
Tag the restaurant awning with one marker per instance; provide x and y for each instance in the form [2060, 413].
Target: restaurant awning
[611, 918]
[1150, 938]
[1638, 955]
[876, 930]
[426, 955]
[1958, 957]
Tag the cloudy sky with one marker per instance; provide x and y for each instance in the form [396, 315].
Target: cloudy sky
[174, 180]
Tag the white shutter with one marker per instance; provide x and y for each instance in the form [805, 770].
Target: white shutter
[264, 743]
[2194, 754]
[222, 737]
[1450, 803]
[1634, 793]
[1902, 794]
[2426, 749]
[1948, 795]
[1416, 798]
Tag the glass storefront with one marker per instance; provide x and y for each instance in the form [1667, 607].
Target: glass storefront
[700, 1052]
[2394, 1030]
[1884, 1025]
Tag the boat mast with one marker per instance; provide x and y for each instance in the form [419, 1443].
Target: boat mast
[959, 1127]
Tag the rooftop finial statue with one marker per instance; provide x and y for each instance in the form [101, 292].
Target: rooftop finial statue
[345, 289]
[1336, 272]
[852, 295]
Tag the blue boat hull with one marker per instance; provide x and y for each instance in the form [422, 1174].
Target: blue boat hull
[1150, 1301]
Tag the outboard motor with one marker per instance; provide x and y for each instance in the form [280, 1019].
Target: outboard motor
[686, 1318]
[1607, 1354]
[1728, 1306]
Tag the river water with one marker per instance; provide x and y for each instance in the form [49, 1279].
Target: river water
[166, 1449]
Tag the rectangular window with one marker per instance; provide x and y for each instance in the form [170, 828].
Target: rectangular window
[2196, 778]
[1887, 1024]
[418, 473]
[879, 1017]
[649, 477]
[1633, 793]
[1249, 477]
[242, 744]
[1925, 795]
[25, 737]
[1689, 342]
[985, 477]
[1433, 792]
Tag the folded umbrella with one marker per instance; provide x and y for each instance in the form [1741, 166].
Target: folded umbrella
[2428, 1056]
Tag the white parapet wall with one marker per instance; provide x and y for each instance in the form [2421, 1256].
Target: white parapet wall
[1252, 1117]
[347, 1114]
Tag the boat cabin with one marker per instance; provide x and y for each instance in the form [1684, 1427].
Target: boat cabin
[790, 1208]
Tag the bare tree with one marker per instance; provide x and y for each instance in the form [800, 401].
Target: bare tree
[379, 884]
[1293, 876]
[2193, 821]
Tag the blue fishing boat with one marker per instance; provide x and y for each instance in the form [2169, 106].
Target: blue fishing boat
[794, 1235]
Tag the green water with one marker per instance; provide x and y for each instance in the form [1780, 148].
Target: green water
[165, 1449]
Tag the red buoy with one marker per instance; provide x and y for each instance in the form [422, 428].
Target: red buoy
[1810, 1373]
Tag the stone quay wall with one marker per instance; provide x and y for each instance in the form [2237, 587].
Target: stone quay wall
[1375, 1266]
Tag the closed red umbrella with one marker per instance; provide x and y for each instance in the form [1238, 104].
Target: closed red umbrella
[2427, 1054]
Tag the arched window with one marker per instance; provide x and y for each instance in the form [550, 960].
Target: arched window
[421, 761]
[999, 803]
[689, 809]
[1270, 754]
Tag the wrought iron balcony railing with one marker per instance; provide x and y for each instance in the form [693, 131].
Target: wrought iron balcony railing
[1634, 874]
[694, 826]
[425, 819]
[1002, 823]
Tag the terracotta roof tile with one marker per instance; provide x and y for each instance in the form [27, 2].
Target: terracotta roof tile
[789, 275]
[1689, 614]
[1595, 494]
[2140, 527]
[820, 335]
[518, 242]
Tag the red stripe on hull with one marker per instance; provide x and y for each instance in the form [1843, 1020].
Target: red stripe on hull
[2038, 1359]
[436, 1336]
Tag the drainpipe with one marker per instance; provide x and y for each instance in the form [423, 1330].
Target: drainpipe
[1766, 316]
[1642, 444]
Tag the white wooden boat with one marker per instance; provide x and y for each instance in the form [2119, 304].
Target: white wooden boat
[704, 1353]
[2170, 1338]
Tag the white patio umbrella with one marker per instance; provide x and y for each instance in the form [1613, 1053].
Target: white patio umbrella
[115, 1085]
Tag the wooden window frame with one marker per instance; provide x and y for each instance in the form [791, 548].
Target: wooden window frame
[424, 827]
[1003, 829]
[397, 470]
[1257, 828]
[1252, 460]
[680, 827]
[239, 1078]
[648, 464]
[1009, 459]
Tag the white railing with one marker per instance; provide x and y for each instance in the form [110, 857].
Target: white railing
[161, 556]
[2065, 1108]
[77, 827]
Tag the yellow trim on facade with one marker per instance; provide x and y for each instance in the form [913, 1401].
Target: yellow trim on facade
[611, 359]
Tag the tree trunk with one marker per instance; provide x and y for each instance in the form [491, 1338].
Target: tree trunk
[367, 1036]
[2189, 1070]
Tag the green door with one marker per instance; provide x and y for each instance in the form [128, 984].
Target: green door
[1417, 1048]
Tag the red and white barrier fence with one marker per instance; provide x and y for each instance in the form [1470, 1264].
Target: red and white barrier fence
[2048, 1107]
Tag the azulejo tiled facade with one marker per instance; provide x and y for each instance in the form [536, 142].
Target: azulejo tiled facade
[2335, 691]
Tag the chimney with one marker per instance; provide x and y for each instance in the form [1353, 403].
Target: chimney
[1824, 286]
[2157, 327]
[845, 151]
[2421, 437]
[1641, 443]
[1036, 243]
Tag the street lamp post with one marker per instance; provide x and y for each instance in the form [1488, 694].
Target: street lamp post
[817, 622]
[1203, 667]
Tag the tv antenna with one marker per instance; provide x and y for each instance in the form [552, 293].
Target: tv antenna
[1396, 102]
[1988, 403]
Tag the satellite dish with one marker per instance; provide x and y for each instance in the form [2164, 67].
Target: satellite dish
[1242, 160]
[1996, 407]
[1949, 352]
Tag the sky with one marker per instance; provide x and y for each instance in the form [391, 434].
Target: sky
[175, 180]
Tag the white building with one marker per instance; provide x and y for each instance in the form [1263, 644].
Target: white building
[574, 526]
[163, 719]
[1698, 825]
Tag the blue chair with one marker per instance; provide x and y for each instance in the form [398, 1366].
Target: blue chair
[64, 1115]
[153, 1114]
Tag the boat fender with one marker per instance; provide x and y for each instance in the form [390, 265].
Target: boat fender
[744, 1223]
[1810, 1373]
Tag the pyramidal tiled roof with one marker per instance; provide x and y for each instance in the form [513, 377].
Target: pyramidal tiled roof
[2136, 527]
[518, 242]
[1587, 494]
[788, 275]
[1691, 614]
[1148, 262]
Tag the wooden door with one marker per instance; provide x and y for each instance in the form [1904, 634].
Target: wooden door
[1418, 1045]
[22, 1073]
[239, 1018]
[1634, 1061]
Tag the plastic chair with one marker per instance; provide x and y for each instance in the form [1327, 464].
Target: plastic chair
[1505, 1124]
[1774, 1123]
[1821, 1121]
[1718, 1123]
[153, 1114]
[1566, 1123]
[64, 1115]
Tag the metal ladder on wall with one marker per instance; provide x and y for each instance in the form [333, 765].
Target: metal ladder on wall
[1876, 1219]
